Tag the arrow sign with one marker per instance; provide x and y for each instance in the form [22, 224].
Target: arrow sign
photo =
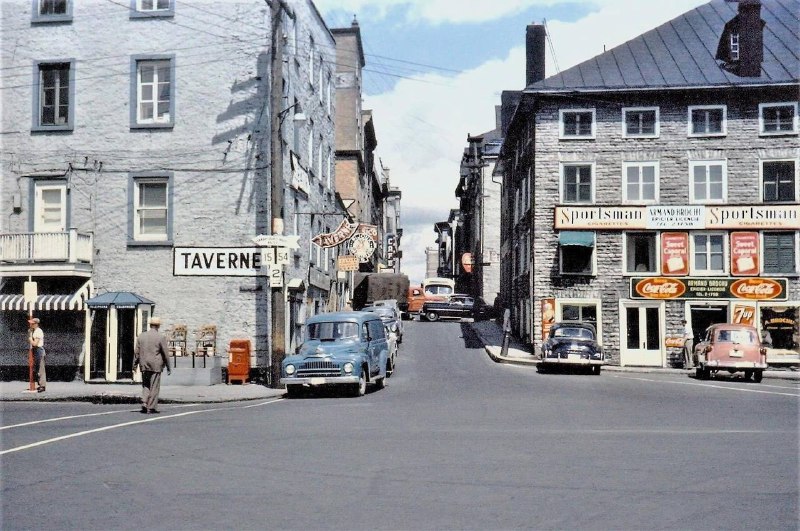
[277, 240]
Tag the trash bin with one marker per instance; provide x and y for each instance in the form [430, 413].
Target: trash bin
[239, 361]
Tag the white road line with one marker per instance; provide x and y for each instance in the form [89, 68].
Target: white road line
[131, 423]
[795, 395]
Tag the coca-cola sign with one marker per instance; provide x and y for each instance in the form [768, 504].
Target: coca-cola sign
[660, 288]
[709, 288]
[756, 289]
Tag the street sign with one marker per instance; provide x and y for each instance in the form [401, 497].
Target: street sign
[347, 262]
[30, 292]
[276, 277]
[282, 256]
[278, 240]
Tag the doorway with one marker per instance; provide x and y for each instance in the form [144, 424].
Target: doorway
[126, 338]
[98, 358]
[641, 334]
[701, 316]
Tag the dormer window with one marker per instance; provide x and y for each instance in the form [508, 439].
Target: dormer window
[734, 47]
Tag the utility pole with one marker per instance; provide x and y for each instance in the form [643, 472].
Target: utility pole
[278, 305]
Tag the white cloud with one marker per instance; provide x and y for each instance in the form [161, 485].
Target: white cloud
[422, 126]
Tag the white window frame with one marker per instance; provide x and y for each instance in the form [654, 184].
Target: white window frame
[693, 270]
[796, 254]
[137, 208]
[597, 303]
[795, 121]
[41, 186]
[692, 165]
[592, 273]
[656, 126]
[155, 8]
[156, 64]
[561, 183]
[329, 93]
[38, 16]
[656, 250]
[561, 115]
[640, 163]
[310, 158]
[733, 44]
[723, 125]
[761, 163]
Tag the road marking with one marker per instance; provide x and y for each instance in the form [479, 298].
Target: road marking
[56, 419]
[795, 395]
[131, 423]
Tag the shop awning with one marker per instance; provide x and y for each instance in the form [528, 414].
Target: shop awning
[49, 302]
[120, 299]
[578, 238]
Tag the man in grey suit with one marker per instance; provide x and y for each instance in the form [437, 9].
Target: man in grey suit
[150, 354]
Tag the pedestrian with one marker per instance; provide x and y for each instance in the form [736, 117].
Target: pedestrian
[36, 339]
[150, 354]
[688, 344]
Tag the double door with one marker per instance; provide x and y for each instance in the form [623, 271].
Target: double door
[642, 334]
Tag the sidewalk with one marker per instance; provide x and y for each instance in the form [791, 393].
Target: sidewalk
[491, 335]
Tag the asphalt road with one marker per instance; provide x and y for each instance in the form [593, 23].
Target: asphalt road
[455, 441]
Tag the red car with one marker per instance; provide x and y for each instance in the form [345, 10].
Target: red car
[732, 348]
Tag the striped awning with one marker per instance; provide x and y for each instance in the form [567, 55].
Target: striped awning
[44, 303]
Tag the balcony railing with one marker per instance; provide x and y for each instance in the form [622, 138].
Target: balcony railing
[33, 247]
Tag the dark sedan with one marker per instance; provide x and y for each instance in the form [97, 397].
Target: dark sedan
[457, 306]
[572, 343]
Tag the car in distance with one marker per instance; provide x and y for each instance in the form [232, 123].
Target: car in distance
[347, 349]
[390, 318]
[572, 343]
[457, 306]
[732, 348]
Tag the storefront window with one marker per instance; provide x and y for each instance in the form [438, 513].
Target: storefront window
[579, 312]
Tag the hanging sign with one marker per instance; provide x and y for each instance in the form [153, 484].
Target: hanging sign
[342, 233]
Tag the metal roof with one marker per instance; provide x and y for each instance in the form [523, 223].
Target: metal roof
[120, 299]
[681, 53]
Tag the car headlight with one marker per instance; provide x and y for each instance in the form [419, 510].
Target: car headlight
[289, 370]
[348, 367]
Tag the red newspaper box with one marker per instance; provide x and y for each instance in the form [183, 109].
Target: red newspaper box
[239, 361]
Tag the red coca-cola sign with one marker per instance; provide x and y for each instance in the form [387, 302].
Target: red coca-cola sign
[756, 289]
[660, 288]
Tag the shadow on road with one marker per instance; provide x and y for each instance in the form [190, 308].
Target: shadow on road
[469, 336]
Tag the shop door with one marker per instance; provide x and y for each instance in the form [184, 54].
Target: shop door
[98, 354]
[641, 335]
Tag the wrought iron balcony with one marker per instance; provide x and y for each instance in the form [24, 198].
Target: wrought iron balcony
[40, 253]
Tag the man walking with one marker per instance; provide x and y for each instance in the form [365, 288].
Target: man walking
[688, 345]
[36, 339]
[150, 353]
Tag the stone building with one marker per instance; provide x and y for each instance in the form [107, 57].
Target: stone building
[658, 182]
[141, 145]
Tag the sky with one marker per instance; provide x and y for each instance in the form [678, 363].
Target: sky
[435, 70]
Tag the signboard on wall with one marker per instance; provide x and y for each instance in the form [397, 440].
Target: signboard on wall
[675, 253]
[744, 314]
[664, 288]
[744, 253]
[347, 262]
[219, 262]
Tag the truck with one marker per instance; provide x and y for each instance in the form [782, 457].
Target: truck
[432, 289]
[371, 287]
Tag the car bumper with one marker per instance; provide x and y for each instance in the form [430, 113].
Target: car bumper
[320, 380]
[572, 361]
[716, 364]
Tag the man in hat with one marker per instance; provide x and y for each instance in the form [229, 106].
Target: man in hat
[36, 339]
[150, 353]
[688, 345]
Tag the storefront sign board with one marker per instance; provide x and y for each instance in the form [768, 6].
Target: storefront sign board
[665, 288]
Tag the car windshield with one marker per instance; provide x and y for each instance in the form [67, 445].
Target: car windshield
[331, 331]
[576, 332]
[736, 336]
[438, 290]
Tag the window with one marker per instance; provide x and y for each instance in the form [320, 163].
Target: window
[154, 91]
[708, 254]
[641, 252]
[777, 118]
[576, 252]
[298, 128]
[54, 96]
[708, 120]
[151, 208]
[708, 181]
[310, 159]
[320, 154]
[734, 47]
[576, 183]
[311, 60]
[51, 10]
[329, 92]
[151, 8]
[778, 180]
[329, 166]
[640, 182]
[585, 313]
[640, 122]
[780, 252]
[576, 123]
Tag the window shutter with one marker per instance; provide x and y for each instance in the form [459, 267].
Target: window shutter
[779, 252]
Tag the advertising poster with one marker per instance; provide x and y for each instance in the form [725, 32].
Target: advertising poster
[548, 316]
[744, 254]
[744, 314]
[675, 253]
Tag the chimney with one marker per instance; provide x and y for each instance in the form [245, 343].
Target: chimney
[534, 53]
[751, 38]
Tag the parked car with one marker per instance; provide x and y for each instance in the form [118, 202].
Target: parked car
[391, 359]
[348, 349]
[572, 343]
[732, 348]
[456, 306]
[390, 318]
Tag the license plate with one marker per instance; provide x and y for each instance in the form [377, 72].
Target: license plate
[573, 356]
[317, 381]
[736, 354]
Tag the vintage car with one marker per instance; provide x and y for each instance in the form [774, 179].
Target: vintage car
[572, 343]
[456, 306]
[347, 349]
[732, 348]
[390, 318]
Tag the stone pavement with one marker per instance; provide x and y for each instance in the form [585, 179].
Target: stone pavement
[489, 332]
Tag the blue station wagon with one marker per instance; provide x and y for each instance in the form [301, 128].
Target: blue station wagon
[347, 349]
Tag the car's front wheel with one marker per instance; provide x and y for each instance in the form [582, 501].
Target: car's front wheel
[758, 376]
[432, 316]
[360, 388]
[294, 391]
[596, 369]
